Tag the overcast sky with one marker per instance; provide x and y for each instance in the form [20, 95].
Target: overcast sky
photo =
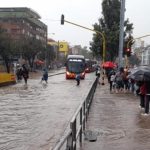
[82, 12]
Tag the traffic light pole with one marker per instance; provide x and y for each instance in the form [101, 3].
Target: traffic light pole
[102, 35]
[122, 10]
[126, 60]
[136, 39]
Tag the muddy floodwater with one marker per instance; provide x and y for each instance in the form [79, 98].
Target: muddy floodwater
[34, 117]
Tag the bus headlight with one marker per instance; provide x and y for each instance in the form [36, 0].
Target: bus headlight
[67, 73]
[82, 74]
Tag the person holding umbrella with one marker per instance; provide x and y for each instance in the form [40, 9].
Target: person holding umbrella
[142, 94]
[142, 73]
[147, 97]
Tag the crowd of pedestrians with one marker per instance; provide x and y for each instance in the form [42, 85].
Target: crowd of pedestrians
[120, 82]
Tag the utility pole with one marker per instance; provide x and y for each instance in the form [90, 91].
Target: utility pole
[121, 36]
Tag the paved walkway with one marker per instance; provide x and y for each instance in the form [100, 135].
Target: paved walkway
[117, 122]
[39, 73]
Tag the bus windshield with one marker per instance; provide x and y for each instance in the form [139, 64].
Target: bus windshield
[76, 65]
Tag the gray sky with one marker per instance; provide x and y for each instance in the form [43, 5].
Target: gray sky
[82, 12]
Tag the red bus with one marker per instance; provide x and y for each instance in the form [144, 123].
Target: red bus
[75, 64]
[90, 65]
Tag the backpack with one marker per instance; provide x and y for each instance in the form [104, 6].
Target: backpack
[119, 77]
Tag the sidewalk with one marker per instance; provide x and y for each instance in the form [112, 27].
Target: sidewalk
[117, 122]
[11, 79]
[53, 72]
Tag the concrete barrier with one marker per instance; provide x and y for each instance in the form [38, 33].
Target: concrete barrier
[7, 79]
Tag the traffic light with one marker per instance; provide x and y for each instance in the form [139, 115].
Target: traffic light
[62, 19]
[128, 52]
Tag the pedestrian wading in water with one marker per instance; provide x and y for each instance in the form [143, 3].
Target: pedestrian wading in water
[45, 75]
[78, 79]
[25, 73]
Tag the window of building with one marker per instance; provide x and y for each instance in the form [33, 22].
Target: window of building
[23, 31]
[14, 30]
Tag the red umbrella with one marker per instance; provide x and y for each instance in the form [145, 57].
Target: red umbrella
[108, 64]
[39, 62]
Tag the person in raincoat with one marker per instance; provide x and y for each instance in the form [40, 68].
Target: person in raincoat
[112, 81]
[98, 74]
[77, 78]
[25, 73]
[45, 75]
[19, 72]
[142, 94]
[147, 97]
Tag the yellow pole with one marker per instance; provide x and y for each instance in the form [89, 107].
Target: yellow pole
[103, 37]
[129, 42]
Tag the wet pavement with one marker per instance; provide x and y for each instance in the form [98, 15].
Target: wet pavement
[117, 122]
[34, 117]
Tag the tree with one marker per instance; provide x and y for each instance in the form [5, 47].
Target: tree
[85, 52]
[30, 47]
[6, 48]
[51, 53]
[108, 24]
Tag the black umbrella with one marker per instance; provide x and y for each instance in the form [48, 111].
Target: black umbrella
[139, 68]
[140, 73]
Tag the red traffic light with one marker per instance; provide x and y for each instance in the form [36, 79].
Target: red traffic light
[128, 52]
[128, 49]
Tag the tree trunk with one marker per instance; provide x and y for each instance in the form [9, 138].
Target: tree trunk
[7, 66]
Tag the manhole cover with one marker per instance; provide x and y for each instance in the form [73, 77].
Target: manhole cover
[90, 136]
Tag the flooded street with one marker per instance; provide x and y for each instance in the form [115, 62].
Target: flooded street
[34, 117]
[118, 122]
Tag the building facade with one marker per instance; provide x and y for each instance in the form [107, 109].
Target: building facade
[23, 21]
[146, 56]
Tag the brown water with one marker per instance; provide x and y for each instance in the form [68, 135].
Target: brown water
[34, 117]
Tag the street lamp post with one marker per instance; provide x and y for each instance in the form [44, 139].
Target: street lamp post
[98, 32]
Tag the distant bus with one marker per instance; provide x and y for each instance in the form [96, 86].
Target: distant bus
[90, 65]
[75, 64]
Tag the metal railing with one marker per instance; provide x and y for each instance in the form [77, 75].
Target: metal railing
[77, 123]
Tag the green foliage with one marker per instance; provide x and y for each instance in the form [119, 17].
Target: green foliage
[108, 24]
[26, 46]
[6, 48]
[86, 53]
[30, 47]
